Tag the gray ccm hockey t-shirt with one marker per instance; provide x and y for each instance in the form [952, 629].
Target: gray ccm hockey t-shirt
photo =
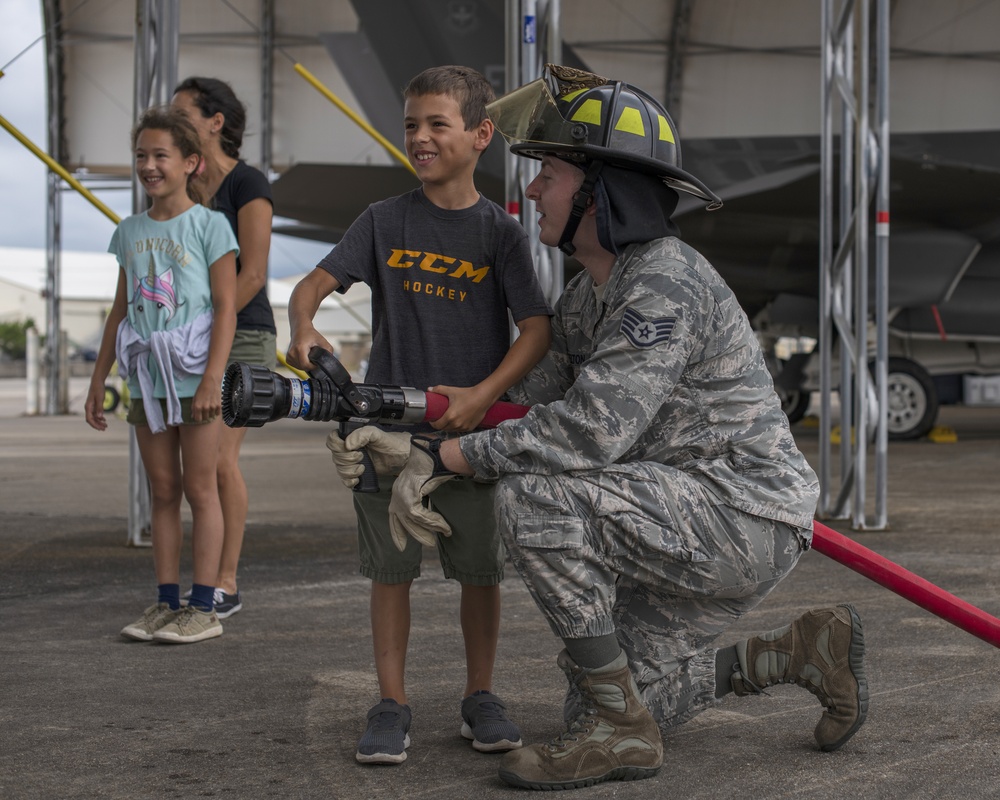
[442, 284]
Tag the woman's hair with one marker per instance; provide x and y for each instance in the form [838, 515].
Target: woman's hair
[212, 97]
[182, 133]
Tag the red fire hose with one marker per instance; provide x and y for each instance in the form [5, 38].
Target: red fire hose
[904, 583]
[834, 545]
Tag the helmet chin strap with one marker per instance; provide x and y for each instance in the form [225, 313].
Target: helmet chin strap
[580, 202]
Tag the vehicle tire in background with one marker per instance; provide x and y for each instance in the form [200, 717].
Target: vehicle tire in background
[912, 399]
[795, 403]
[111, 399]
[789, 376]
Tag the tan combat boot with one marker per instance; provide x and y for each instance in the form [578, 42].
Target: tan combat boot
[823, 651]
[613, 738]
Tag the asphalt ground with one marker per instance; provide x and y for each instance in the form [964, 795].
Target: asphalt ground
[275, 706]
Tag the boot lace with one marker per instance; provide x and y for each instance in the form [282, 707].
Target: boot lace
[825, 700]
[579, 727]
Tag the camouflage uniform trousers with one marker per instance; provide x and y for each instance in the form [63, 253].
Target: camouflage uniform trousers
[644, 551]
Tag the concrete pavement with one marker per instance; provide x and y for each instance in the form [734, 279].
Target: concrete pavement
[274, 707]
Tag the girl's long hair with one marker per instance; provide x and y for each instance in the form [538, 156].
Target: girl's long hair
[183, 135]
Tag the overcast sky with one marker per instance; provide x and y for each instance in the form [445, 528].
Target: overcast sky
[22, 103]
[22, 174]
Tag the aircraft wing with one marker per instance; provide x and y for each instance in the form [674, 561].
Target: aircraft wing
[944, 247]
[325, 199]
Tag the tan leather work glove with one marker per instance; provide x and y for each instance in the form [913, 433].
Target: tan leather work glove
[423, 473]
[388, 452]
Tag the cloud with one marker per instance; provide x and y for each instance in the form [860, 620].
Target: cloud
[23, 182]
[22, 103]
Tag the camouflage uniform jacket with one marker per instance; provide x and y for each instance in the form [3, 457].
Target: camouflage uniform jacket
[665, 368]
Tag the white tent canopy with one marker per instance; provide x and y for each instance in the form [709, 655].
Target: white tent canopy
[726, 67]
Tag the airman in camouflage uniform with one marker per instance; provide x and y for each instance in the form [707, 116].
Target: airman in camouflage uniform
[653, 494]
[654, 489]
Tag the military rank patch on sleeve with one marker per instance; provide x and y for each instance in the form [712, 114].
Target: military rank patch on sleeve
[644, 332]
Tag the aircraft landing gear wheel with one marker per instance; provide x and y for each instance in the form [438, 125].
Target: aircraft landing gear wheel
[913, 402]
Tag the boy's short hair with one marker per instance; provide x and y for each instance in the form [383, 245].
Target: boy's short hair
[469, 88]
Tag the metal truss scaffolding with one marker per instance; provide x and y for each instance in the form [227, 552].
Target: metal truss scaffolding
[56, 400]
[533, 39]
[853, 324]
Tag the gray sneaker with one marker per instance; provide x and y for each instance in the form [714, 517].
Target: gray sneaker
[387, 736]
[189, 625]
[485, 722]
[152, 619]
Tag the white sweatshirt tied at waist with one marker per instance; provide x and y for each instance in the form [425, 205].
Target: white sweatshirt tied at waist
[179, 353]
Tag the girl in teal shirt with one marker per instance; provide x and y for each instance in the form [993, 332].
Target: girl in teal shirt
[170, 327]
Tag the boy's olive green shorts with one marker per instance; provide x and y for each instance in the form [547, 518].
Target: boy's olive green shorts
[473, 554]
[254, 347]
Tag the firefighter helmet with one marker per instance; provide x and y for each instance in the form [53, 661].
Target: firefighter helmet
[583, 117]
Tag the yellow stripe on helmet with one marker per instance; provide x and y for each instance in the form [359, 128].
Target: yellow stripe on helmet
[570, 95]
[630, 121]
[666, 135]
[589, 112]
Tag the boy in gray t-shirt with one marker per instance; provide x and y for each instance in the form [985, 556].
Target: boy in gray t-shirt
[448, 269]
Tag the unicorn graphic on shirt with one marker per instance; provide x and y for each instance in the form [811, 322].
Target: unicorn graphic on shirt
[155, 292]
